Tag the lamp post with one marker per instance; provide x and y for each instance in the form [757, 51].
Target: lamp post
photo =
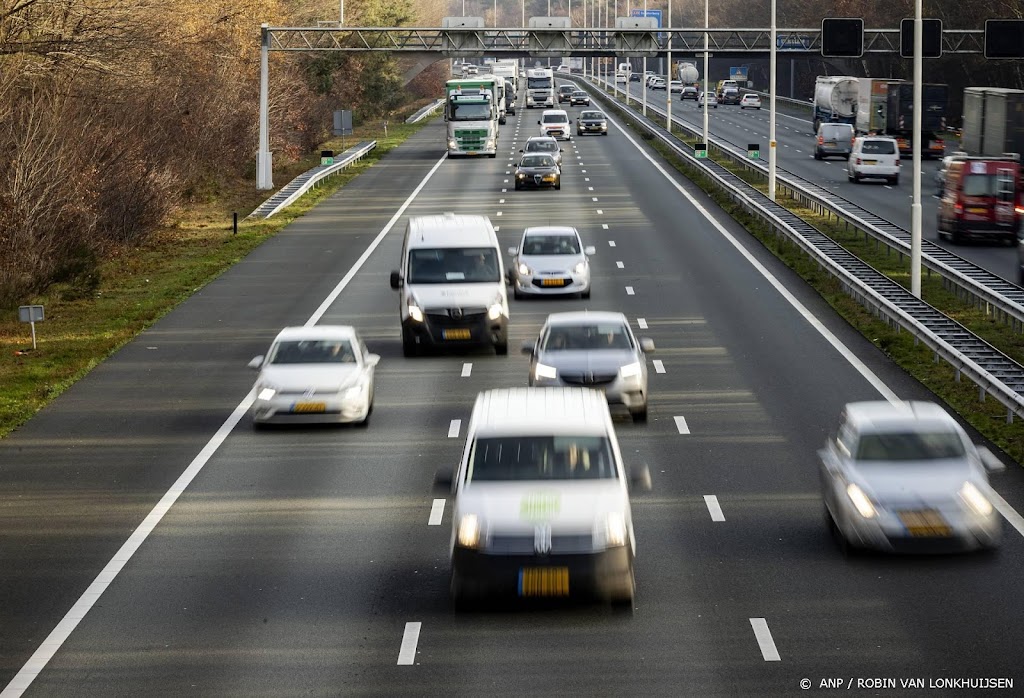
[771, 110]
[706, 41]
[915, 207]
[341, 13]
[643, 78]
[668, 77]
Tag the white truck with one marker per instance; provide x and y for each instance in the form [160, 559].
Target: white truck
[872, 103]
[622, 73]
[508, 70]
[540, 88]
[472, 115]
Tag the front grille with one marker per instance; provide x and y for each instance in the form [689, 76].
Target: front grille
[588, 378]
[443, 317]
[524, 545]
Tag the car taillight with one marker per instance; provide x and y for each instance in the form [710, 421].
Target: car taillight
[897, 162]
[858, 161]
[821, 139]
[1018, 210]
[958, 209]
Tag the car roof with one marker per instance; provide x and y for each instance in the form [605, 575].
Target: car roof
[450, 230]
[540, 410]
[887, 139]
[532, 139]
[317, 332]
[578, 317]
[550, 230]
[882, 416]
[554, 111]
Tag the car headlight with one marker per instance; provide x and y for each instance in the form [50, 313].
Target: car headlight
[495, 311]
[630, 370]
[266, 393]
[975, 499]
[452, 143]
[489, 143]
[615, 529]
[469, 531]
[580, 268]
[415, 313]
[521, 175]
[543, 371]
[861, 501]
[525, 270]
[355, 392]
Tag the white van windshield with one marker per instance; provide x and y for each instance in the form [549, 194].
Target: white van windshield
[498, 459]
[447, 265]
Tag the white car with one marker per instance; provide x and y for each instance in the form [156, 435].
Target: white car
[904, 477]
[555, 123]
[750, 100]
[675, 86]
[550, 261]
[322, 373]
[650, 77]
[875, 157]
[712, 100]
[658, 84]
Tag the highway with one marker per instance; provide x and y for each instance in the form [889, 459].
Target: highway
[796, 154]
[302, 561]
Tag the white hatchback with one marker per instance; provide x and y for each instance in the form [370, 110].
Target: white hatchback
[750, 100]
[712, 100]
[874, 157]
[550, 261]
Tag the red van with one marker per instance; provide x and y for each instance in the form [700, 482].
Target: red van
[981, 198]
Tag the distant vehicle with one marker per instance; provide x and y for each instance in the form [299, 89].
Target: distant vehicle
[981, 199]
[730, 95]
[992, 122]
[555, 123]
[543, 144]
[593, 350]
[536, 171]
[940, 174]
[657, 84]
[900, 117]
[565, 92]
[564, 68]
[835, 99]
[472, 116]
[904, 477]
[634, 77]
[579, 97]
[624, 74]
[592, 122]
[540, 88]
[874, 157]
[322, 373]
[510, 97]
[470, 69]
[722, 84]
[686, 72]
[834, 140]
[675, 86]
[689, 92]
[712, 100]
[750, 100]
[550, 261]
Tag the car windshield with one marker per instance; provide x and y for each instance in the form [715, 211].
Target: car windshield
[879, 147]
[587, 338]
[579, 94]
[497, 459]
[537, 161]
[979, 185]
[565, 89]
[909, 446]
[555, 119]
[453, 265]
[313, 351]
[542, 146]
[551, 244]
[591, 115]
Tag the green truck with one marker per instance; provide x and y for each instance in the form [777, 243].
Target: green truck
[472, 110]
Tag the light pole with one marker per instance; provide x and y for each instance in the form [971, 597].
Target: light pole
[706, 61]
[915, 207]
[668, 85]
[643, 78]
[341, 13]
[771, 110]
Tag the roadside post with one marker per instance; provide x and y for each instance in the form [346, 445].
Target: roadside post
[31, 314]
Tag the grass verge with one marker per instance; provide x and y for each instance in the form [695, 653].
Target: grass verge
[140, 284]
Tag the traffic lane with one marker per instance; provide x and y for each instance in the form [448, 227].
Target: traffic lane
[92, 464]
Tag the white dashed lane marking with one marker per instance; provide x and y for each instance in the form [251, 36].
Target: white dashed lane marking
[407, 653]
[629, 291]
[453, 428]
[659, 367]
[714, 508]
[436, 513]
[467, 370]
[641, 322]
[620, 265]
[681, 425]
[764, 640]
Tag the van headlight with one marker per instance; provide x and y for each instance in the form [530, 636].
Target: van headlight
[452, 144]
[415, 313]
[860, 500]
[975, 499]
[355, 392]
[266, 393]
[495, 311]
[615, 529]
[523, 269]
[543, 371]
[468, 535]
[489, 143]
[580, 268]
[630, 370]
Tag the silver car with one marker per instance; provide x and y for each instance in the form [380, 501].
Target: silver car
[543, 144]
[550, 261]
[592, 350]
[904, 477]
[322, 373]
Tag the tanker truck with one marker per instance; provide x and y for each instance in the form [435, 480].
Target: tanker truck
[687, 73]
[835, 100]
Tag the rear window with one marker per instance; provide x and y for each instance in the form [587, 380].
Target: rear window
[979, 185]
[497, 459]
[836, 132]
[879, 147]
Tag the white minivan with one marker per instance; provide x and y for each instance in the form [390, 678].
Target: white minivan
[541, 499]
[874, 157]
[555, 123]
[451, 284]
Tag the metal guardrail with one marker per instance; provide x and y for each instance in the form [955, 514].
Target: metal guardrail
[291, 192]
[425, 111]
[995, 373]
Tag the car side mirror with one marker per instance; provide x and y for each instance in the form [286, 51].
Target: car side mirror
[256, 363]
[538, 121]
[520, 150]
[990, 460]
[396, 279]
[589, 250]
[512, 251]
[561, 150]
[372, 360]
[443, 478]
[647, 344]
[640, 479]
[529, 348]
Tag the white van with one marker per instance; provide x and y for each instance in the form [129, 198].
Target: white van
[555, 123]
[451, 284]
[541, 502]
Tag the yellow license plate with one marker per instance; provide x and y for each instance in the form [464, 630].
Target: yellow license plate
[552, 282]
[871, 162]
[544, 581]
[925, 523]
[309, 407]
[455, 334]
[975, 209]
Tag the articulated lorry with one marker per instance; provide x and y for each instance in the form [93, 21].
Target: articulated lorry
[993, 121]
[508, 69]
[540, 88]
[900, 117]
[472, 112]
[835, 100]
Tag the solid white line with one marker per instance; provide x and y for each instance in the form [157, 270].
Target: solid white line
[681, 425]
[436, 513]
[629, 291]
[764, 640]
[620, 265]
[407, 653]
[453, 428]
[659, 367]
[714, 508]
[39, 659]
[467, 369]
[641, 322]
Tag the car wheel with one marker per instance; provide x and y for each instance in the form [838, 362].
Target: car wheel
[409, 345]
[639, 415]
[558, 186]
[1020, 281]
[841, 542]
[585, 295]
[817, 155]
[365, 423]
[260, 426]
[895, 180]
[955, 237]
[517, 294]
[501, 348]
[518, 187]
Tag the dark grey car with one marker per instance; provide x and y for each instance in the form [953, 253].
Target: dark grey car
[592, 122]
[833, 140]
